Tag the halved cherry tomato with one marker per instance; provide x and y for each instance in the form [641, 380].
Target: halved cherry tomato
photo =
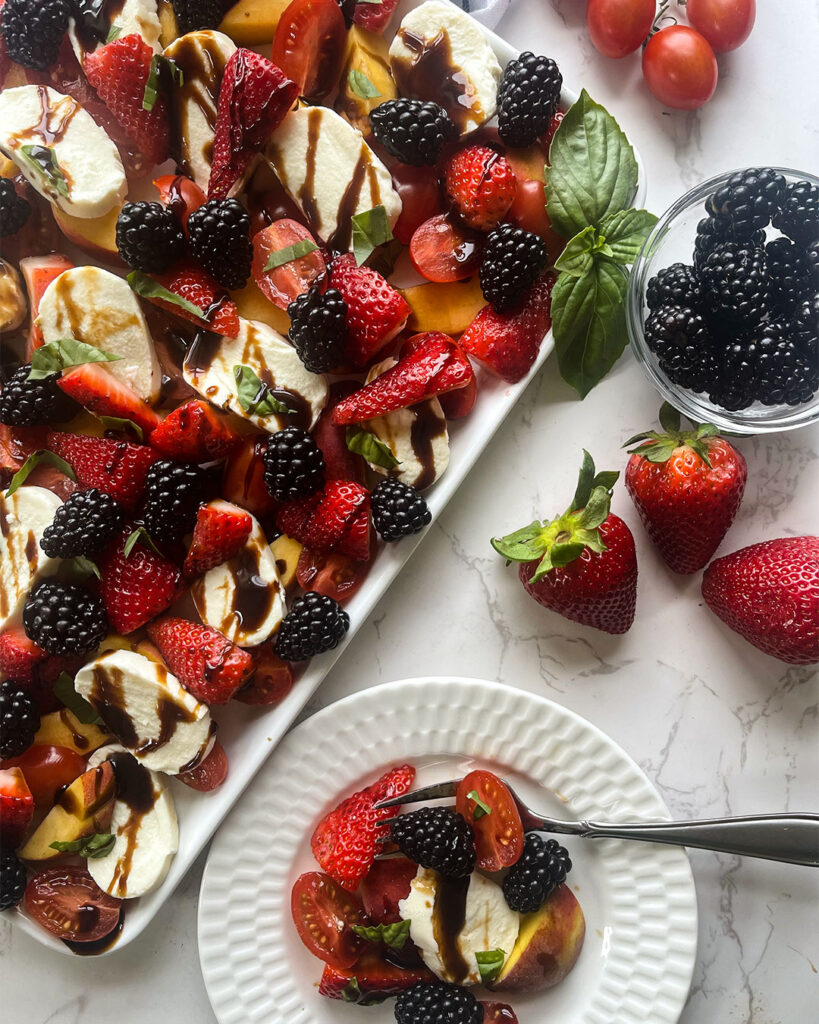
[46, 769]
[324, 915]
[387, 883]
[498, 1013]
[334, 575]
[498, 830]
[460, 403]
[210, 773]
[443, 251]
[420, 193]
[271, 681]
[309, 45]
[284, 283]
[68, 903]
[181, 195]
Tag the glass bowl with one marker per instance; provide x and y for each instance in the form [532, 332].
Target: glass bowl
[672, 240]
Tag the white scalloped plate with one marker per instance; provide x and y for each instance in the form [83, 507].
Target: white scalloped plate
[639, 900]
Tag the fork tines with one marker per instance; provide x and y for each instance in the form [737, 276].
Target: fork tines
[436, 792]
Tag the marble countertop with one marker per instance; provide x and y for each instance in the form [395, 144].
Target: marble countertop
[719, 727]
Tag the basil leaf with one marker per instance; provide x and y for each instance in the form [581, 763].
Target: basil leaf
[31, 464]
[254, 395]
[116, 423]
[361, 85]
[140, 536]
[62, 353]
[490, 964]
[370, 229]
[362, 442]
[589, 324]
[392, 935]
[289, 253]
[576, 258]
[625, 232]
[78, 706]
[86, 566]
[160, 67]
[98, 845]
[481, 807]
[147, 288]
[42, 161]
[593, 172]
[114, 34]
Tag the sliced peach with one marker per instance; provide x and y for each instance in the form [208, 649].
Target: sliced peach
[450, 308]
[250, 22]
[253, 305]
[64, 729]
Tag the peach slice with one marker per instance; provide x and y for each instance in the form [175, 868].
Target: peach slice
[450, 307]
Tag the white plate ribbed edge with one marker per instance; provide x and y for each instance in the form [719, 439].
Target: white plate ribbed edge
[645, 931]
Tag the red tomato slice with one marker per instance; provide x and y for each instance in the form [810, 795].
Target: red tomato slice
[334, 575]
[385, 886]
[444, 251]
[420, 193]
[309, 45]
[47, 769]
[324, 915]
[181, 195]
[271, 681]
[284, 283]
[68, 903]
[498, 831]
[210, 773]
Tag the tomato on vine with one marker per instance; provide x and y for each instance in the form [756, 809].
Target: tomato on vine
[618, 27]
[726, 24]
[680, 67]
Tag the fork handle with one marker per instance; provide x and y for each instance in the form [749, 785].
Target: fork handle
[792, 838]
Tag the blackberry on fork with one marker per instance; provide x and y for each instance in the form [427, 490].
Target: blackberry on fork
[438, 838]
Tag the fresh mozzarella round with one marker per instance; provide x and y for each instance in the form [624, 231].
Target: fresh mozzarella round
[138, 17]
[23, 518]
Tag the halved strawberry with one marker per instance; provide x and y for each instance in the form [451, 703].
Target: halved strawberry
[480, 186]
[181, 195]
[220, 533]
[16, 806]
[206, 663]
[195, 432]
[138, 587]
[95, 387]
[189, 282]
[117, 467]
[336, 518]
[19, 656]
[38, 273]
[370, 980]
[376, 312]
[271, 681]
[374, 17]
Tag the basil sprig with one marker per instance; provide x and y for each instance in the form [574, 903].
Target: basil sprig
[32, 462]
[393, 935]
[98, 845]
[255, 397]
[490, 964]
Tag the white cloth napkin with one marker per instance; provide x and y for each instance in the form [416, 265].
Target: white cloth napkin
[489, 12]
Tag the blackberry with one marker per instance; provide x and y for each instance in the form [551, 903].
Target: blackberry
[748, 200]
[805, 325]
[798, 217]
[14, 210]
[512, 262]
[437, 1002]
[19, 718]
[173, 493]
[711, 233]
[398, 510]
[680, 338]
[790, 273]
[413, 131]
[542, 867]
[528, 95]
[735, 387]
[82, 525]
[149, 237]
[437, 838]
[34, 29]
[735, 283]
[29, 403]
[192, 15]
[293, 464]
[315, 624]
[677, 285]
[318, 328]
[64, 618]
[219, 235]
[784, 374]
[12, 879]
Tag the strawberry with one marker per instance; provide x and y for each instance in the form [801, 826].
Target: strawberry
[336, 518]
[480, 186]
[340, 463]
[119, 71]
[554, 124]
[395, 782]
[16, 806]
[370, 980]
[220, 533]
[374, 17]
[508, 343]
[210, 773]
[253, 99]
[271, 681]
[95, 387]
[769, 593]
[195, 432]
[189, 282]
[137, 587]
[117, 467]
[687, 486]
[435, 366]
[206, 663]
[376, 312]
[387, 883]
[582, 564]
[19, 656]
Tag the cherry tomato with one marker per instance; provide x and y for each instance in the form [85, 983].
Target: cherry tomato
[459, 403]
[528, 211]
[210, 773]
[498, 830]
[271, 681]
[68, 903]
[181, 195]
[387, 883]
[498, 1013]
[265, 208]
[420, 194]
[309, 45]
[334, 575]
[443, 251]
[324, 915]
[47, 769]
[618, 27]
[680, 68]
[726, 24]
[284, 283]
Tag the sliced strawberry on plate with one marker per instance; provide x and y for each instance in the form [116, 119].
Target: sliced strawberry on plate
[455, 404]
[181, 195]
[480, 185]
[435, 366]
[336, 518]
[135, 587]
[96, 388]
[220, 533]
[38, 273]
[271, 681]
[387, 883]
[254, 97]
[195, 432]
[119, 71]
[374, 17]
[210, 773]
[16, 807]
[376, 312]
[19, 656]
[206, 663]
[370, 980]
[117, 467]
[189, 282]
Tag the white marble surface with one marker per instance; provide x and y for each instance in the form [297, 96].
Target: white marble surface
[719, 727]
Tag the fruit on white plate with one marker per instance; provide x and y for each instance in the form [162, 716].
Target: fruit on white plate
[63, 729]
[138, 17]
[23, 518]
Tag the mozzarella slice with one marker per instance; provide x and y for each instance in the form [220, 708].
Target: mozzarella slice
[98, 308]
[331, 172]
[134, 16]
[90, 178]
[211, 360]
[243, 598]
[23, 563]
[439, 53]
[148, 710]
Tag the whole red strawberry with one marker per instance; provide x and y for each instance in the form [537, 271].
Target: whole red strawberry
[206, 663]
[769, 593]
[582, 564]
[220, 533]
[480, 186]
[687, 486]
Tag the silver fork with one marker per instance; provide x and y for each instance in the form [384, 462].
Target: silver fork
[791, 838]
